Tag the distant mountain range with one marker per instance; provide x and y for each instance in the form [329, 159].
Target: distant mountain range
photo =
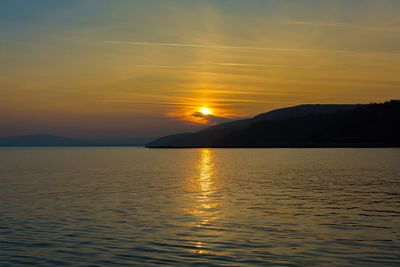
[45, 140]
[370, 125]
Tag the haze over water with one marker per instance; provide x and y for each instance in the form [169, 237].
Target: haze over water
[214, 207]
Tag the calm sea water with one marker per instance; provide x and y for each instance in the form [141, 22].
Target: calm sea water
[199, 207]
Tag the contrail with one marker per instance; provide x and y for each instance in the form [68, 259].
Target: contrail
[254, 48]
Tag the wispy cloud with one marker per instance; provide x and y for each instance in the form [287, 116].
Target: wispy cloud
[149, 99]
[341, 25]
[248, 48]
[226, 64]
[233, 64]
[265, 49]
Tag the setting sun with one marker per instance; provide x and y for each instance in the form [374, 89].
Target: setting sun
[205, 111]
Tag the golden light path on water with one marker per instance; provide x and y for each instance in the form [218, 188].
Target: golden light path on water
[205, 205]
[205, 172]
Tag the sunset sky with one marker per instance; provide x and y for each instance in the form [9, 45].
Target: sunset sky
[145, 68]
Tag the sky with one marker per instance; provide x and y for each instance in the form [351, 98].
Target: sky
[145, 68]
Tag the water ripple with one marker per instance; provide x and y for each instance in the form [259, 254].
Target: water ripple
[200, 207]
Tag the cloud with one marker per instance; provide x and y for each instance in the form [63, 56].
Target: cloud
[247, 66]
[341, 25]
[210, 119]
[248, 48]
[234, 64]
[272, 49]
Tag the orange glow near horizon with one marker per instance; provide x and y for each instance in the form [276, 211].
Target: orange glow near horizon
[199, 114]
[149, 76]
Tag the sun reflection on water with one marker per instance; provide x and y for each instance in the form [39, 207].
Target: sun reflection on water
[205, 171]
[206, 197]
[203, 187]
[202, 207]
[205, 208]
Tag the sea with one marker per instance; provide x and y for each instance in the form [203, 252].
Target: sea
[130, 206]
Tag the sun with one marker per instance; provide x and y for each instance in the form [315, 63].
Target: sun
[205, 111]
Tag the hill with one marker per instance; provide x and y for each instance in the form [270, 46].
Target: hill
[41, 140]
[45, 140]
[301, 126]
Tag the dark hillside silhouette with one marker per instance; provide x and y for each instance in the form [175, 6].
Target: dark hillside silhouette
[212, 135]
[371, 125]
